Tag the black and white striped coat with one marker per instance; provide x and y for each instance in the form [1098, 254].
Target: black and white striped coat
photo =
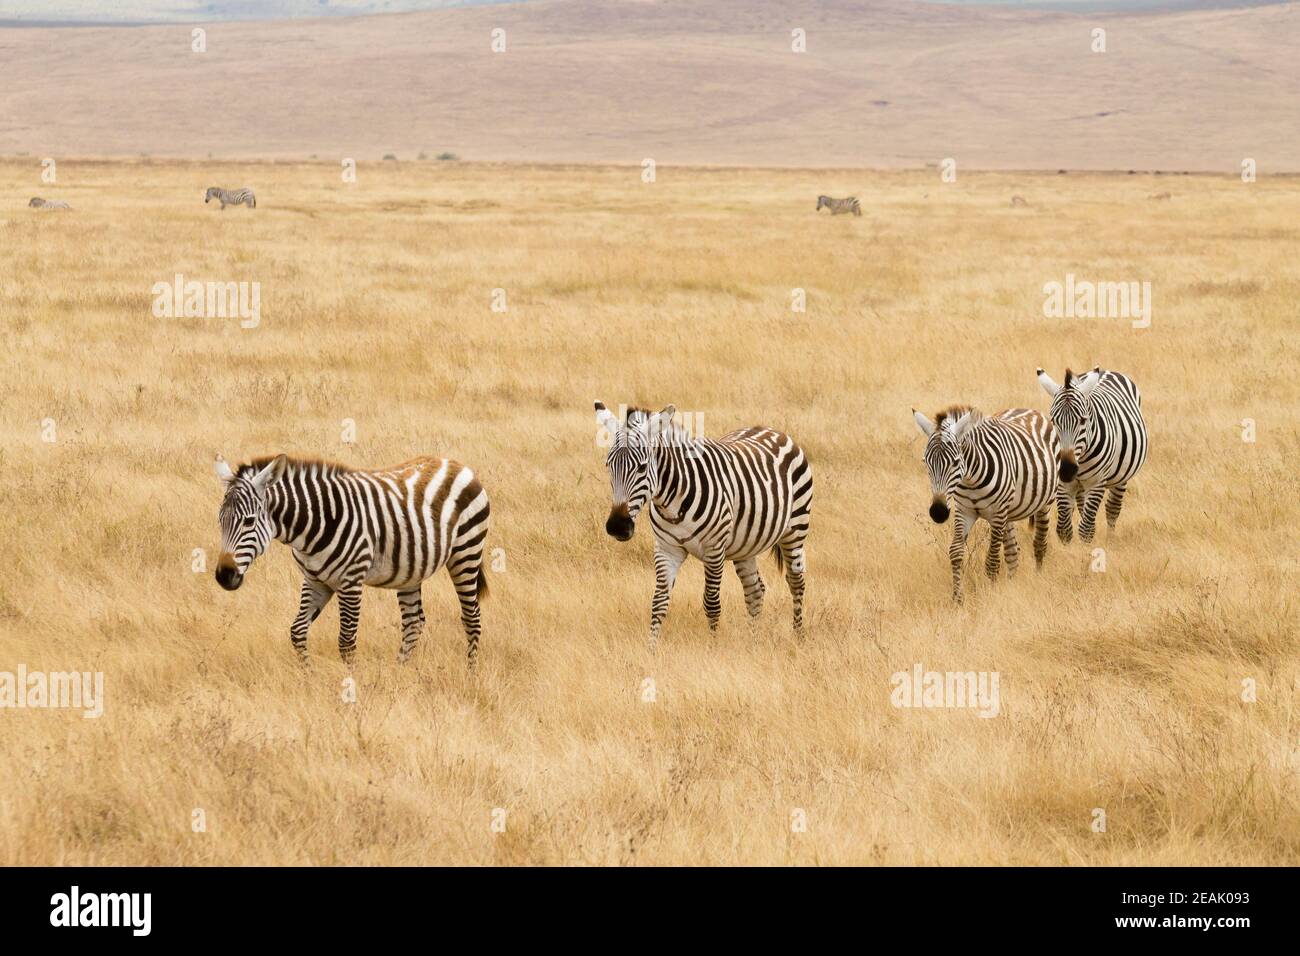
[837, 206]
[39, 203]
[726, 500]
[231, 197]
[1103, 445]
[1001, 469]
[348, 528]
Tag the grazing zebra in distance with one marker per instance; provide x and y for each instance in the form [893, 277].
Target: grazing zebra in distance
[1001, 469]
[39, 203]
[837, 206]
[726, 500]
[1103, 444]
[231, 197]
[385, 529]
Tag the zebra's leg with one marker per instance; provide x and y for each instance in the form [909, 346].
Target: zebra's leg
[311, 602]
[752, 582]
[466, 570]
[957, 552]
[1040, 538]
[465, 565]
[668, 561]
[1064, 516]
[1011, 548]
[713, 565]
[1114, 501]
[349, 617]
[793, 558]
[412, 621]
[1088, 514]
[998, 530]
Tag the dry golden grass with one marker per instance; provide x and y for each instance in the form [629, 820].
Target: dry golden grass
[1120, 690]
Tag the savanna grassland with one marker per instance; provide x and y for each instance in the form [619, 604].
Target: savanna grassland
[1121, 689]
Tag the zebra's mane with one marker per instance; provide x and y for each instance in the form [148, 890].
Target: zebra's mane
[953, 413]
[637, 416]
[1073, 379]
[294, 464]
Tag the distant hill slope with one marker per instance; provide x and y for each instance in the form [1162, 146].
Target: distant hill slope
[197, 11]
[883, 83]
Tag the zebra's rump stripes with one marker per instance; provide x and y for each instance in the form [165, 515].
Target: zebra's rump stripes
[231, 197]
[390, 528]
[837, 206]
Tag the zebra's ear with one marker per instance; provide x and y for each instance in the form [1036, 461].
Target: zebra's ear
[963, 425]
[923, 423]
[223, 470]
[605, 418]
[1045, 380]
[1086, 383]
[271, 473]
[666, 416]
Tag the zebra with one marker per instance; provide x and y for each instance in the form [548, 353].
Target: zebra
[1103, 444]
[39, 203]
[231, 197]
[347, 528]
[837, 206]
[726, 500]
[1001, 469]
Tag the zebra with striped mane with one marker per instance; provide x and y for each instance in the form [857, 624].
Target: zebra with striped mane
[1103, 444]
[231, 197]
[837, 206]
[726, 500]
[39, 203]
[348, 528]
[1001, 469]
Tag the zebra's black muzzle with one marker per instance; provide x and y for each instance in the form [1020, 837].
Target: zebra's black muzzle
[228, 577]
[620, 524]
[938, 511]
[1069, 468]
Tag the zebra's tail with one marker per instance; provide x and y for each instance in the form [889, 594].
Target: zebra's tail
[482, 591]
[780, 558]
